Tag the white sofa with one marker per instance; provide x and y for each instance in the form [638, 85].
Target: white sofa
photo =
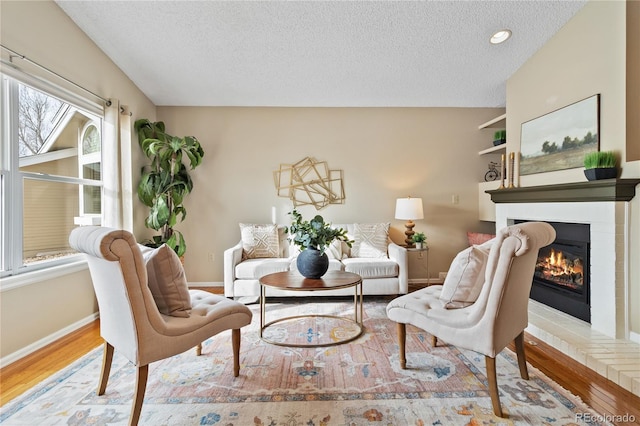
[380, 275]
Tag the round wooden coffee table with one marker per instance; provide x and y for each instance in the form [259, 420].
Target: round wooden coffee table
[332, 280]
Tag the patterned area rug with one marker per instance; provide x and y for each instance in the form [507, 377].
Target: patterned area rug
[358, 383]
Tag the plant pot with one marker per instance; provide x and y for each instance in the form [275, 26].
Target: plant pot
[601, 173]
[420, 245]
[312, 263]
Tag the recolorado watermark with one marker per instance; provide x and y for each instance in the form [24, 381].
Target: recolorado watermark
[611, 418]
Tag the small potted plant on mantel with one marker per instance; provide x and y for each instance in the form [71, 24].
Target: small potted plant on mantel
[313, 237]
[600, 165]
[419, 239]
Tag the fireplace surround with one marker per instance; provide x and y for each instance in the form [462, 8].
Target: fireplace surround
[603, 205]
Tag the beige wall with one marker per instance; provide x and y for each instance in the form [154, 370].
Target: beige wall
[43, 33]
[50, 233]
[633, 82]
[385, 153]
[587, 56]
[38, 310]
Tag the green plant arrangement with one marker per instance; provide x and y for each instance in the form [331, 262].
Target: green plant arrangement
[419, 237]
[315, 234]
[600, 165]
[166, 181]
[419, 240]
[313, 237]
[500, 137]
[600, 159]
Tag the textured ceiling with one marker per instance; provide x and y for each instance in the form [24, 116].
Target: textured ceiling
[316, 53]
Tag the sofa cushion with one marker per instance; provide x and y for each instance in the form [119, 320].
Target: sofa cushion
[259, 241]
[371, 267]
[252, 269]
[370, 240]
[167, 281]
[465, 278]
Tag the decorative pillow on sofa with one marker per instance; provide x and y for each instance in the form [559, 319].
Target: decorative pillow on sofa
[259, 241]
[167, 281]
[465, 278]
[370, 240]
[334, 251]
[476, 238]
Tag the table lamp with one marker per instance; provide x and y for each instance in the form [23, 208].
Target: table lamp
[409, 209]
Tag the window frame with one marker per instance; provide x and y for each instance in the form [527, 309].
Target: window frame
[12, 178]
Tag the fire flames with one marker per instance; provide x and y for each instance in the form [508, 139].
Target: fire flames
[560, 269]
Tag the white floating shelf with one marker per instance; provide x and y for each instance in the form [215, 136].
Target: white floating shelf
[493, 149]
[491, 122]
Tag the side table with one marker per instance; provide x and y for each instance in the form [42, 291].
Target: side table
[419, 256]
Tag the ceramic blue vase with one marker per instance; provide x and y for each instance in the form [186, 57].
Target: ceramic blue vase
[312, 263]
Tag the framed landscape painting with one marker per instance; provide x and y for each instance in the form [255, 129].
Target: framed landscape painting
[560, 139]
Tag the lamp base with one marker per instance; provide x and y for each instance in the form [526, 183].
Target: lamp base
[409, 233]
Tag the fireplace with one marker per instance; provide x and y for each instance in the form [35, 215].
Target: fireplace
[605, 205]
[562, 276]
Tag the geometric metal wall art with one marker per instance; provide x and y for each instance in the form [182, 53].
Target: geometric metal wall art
[310, 182]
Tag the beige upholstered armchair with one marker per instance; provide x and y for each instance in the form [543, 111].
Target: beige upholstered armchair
[483, 304]
[136, 318]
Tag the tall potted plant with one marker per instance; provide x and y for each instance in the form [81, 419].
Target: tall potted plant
[166, 181]
[313, 237]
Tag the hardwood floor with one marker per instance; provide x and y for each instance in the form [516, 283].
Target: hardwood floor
[604, 396]
[25, 373]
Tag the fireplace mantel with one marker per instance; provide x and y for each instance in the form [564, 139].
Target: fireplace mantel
[597, 190]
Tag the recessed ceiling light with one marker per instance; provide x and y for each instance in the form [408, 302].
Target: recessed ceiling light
[500, 36]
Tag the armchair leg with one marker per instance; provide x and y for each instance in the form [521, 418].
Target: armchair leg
[493, 385]
[235, 341]
[141, 386]
[402, 339]
[434, 341]
[107, 358]
[199, 349]
[522, 358]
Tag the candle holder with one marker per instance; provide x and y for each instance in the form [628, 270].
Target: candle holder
[512, 160]
[503, 171]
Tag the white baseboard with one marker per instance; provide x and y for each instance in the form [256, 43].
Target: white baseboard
[634, 337]
[206, 284]
[425, 281]
[27, 350]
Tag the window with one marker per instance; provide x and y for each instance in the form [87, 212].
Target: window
[89, 168]
[51, 178]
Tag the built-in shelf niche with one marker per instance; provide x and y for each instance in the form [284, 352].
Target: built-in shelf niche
[500, 120]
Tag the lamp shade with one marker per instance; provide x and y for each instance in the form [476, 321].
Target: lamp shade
[409, 208]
